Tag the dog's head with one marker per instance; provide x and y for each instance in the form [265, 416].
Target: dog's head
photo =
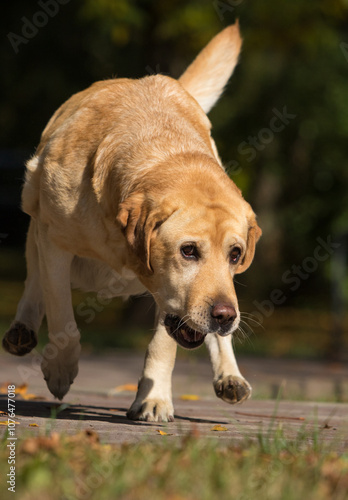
[186, 244]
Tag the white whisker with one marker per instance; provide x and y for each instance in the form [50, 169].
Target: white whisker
[250, 317]
[182, 322]
[239, 283]
[243, 335]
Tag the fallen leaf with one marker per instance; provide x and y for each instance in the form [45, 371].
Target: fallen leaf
[29, 396]
[219, 427]
[6, 422]
[21, 389]
[163, 433]
[33, 425]
[189, 397]
[125, 387]
[18, 390]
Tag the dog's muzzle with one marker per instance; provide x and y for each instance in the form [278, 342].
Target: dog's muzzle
[184, 335]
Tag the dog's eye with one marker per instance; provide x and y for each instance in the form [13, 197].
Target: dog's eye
[235, 255]
[189, 252]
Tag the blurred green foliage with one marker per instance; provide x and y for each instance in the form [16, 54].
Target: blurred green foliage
[294, 58]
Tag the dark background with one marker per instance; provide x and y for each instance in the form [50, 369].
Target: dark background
[294, 59]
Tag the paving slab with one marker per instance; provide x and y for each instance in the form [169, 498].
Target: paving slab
[98, 402]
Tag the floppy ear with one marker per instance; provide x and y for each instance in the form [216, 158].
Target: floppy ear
[132, 217]
[207, 76]
[254, 234]
[139, 219]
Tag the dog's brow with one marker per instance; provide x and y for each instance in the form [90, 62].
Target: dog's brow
[218, 206]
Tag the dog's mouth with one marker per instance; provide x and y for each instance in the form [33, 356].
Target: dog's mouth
[184, 335]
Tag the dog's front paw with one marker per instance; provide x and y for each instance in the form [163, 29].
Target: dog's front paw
[232, 389]
[19, 339]
[60, 371]
[152, 410]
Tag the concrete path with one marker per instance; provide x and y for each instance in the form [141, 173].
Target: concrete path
[104, 390]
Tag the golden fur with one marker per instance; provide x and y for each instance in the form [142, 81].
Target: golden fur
[127, 185]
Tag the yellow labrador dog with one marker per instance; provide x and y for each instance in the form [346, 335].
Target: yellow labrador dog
[126, 193]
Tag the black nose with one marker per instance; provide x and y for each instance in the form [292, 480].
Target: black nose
[223, 313]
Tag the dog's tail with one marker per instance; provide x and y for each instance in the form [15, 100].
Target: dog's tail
[207, 76]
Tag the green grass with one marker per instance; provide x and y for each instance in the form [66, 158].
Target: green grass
[57, 467]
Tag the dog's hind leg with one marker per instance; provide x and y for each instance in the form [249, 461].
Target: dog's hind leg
[228, 382]
[21, 338]
[61, 354]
